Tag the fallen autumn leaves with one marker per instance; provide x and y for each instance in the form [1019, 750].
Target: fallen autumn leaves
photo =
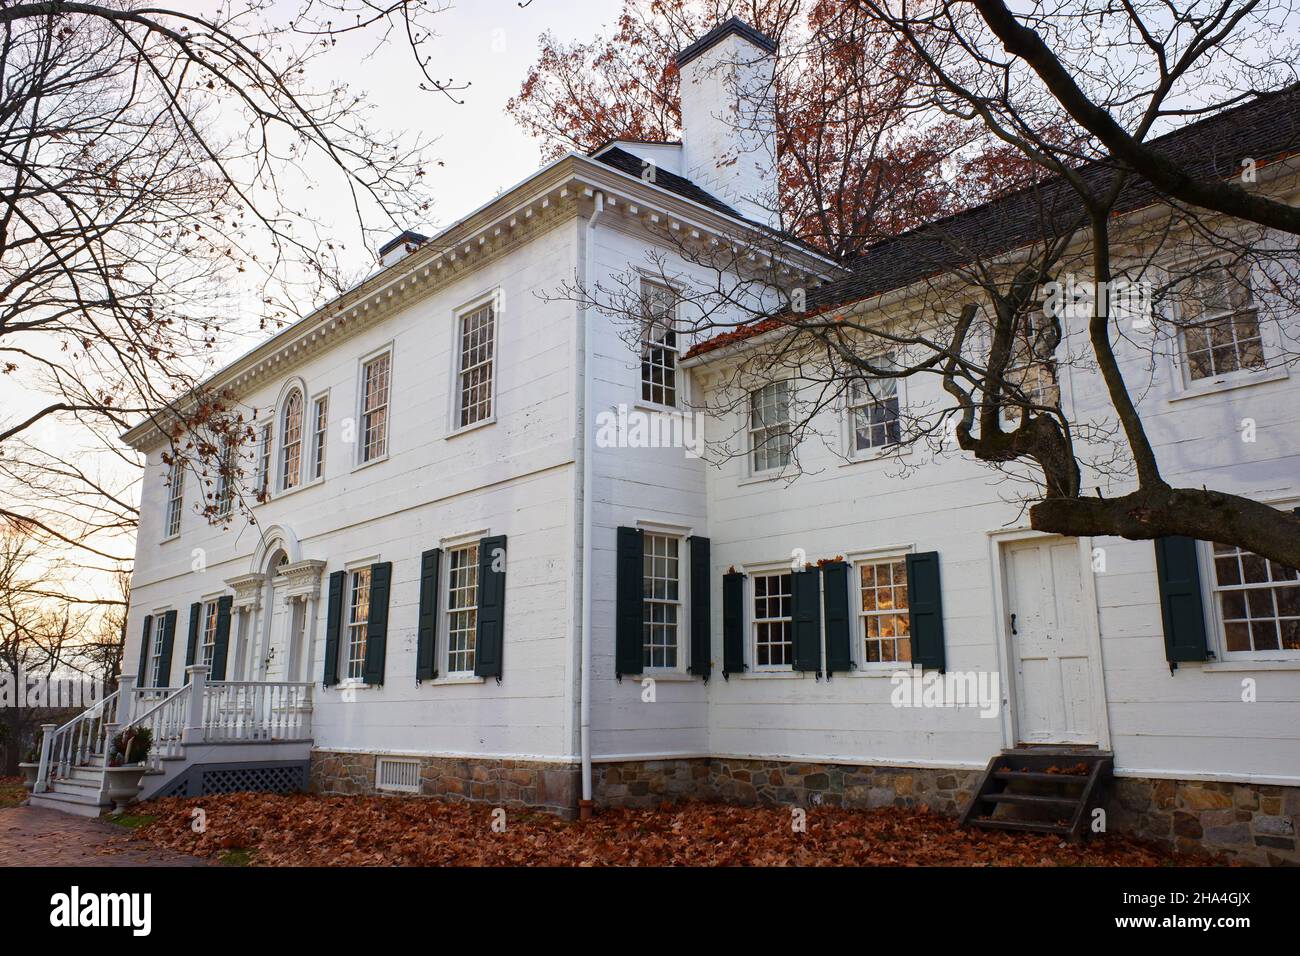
[309, 830]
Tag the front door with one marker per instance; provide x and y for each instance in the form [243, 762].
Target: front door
[1051, 642]
[274, 664]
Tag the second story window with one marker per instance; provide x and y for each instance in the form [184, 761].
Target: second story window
[264, 463]
[769, 427]
[320, 416]
[175, 499]
[658, 344]
[477, 348]
[226, 478]
[374, 407]
[1220, 322]
[291, 436]
[874, 411]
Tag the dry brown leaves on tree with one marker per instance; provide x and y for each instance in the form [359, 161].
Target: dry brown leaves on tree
[307, 830]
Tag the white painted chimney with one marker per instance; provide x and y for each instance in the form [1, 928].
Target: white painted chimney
[728, 118]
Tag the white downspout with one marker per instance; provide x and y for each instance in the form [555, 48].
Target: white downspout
[585, 804]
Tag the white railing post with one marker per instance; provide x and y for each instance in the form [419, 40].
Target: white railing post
[43, 773]
[125, 699]
[197, 678]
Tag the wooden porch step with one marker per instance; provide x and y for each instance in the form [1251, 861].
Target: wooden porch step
[1040, 777]
[1030, 799]
[1026, 826]
[1040, 791]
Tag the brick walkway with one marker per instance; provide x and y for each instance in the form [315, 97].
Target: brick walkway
[35, 837]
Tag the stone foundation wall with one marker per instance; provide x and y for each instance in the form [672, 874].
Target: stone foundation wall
[648, 783]
[1255, 824]
[553, 787]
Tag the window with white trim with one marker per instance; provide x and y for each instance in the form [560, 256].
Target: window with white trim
[773, 622]
[883, 621]
[658, 344]
[208, 647]
[291, 441]
[156, 676]
[662, 601]
[320, 417]
[477, 349]
[769, 427]
[226, 474]
[1257, 603]
[375, 376]
[175, 498]
[1220, 322]
[358, 620]
[462, 609]
[874, 415]
[1031, 376]
[264, 463]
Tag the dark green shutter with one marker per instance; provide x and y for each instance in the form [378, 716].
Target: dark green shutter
[1181, 607]
[192, 645]
[629, 587]
[733, 624]
[925, 610]
[490, 637]
[221, 646]
[839, 652]
[701, 609]
[333, 625]
[426, 635]
[381, 579]
[169, 641]
[142, 678]
[806, 626]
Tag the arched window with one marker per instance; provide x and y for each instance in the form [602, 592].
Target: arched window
[291, 436]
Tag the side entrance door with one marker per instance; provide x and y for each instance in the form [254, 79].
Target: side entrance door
[1051, 642]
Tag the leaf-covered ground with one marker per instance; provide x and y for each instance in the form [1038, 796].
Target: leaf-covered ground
[12, 791]
[306, 830]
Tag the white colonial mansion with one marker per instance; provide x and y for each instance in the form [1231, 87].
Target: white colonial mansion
[452, 588]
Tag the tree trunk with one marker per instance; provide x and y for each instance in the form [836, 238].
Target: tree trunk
[1160, 511]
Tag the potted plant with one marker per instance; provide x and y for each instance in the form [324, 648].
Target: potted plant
[30, 767]
[126, 765]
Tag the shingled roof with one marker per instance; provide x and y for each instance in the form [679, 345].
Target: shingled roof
[633, 165]
[1265, 129]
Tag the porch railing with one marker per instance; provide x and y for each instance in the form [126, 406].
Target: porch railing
[77, 742]
[201, 711]
[251, 710]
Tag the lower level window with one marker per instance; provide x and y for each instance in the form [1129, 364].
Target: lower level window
[462, 609]
[209, 633]
[156, 677]
[662, 606]
[882, 609]
[773, 621]
[1258, 601]
[358, 620]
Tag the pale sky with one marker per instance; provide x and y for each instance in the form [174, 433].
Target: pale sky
[489, 43]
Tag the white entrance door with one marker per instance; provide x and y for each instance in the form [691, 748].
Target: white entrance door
[274, 665]
[1051, 642]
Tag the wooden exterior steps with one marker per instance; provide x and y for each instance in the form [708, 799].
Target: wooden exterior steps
[1041, 790]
